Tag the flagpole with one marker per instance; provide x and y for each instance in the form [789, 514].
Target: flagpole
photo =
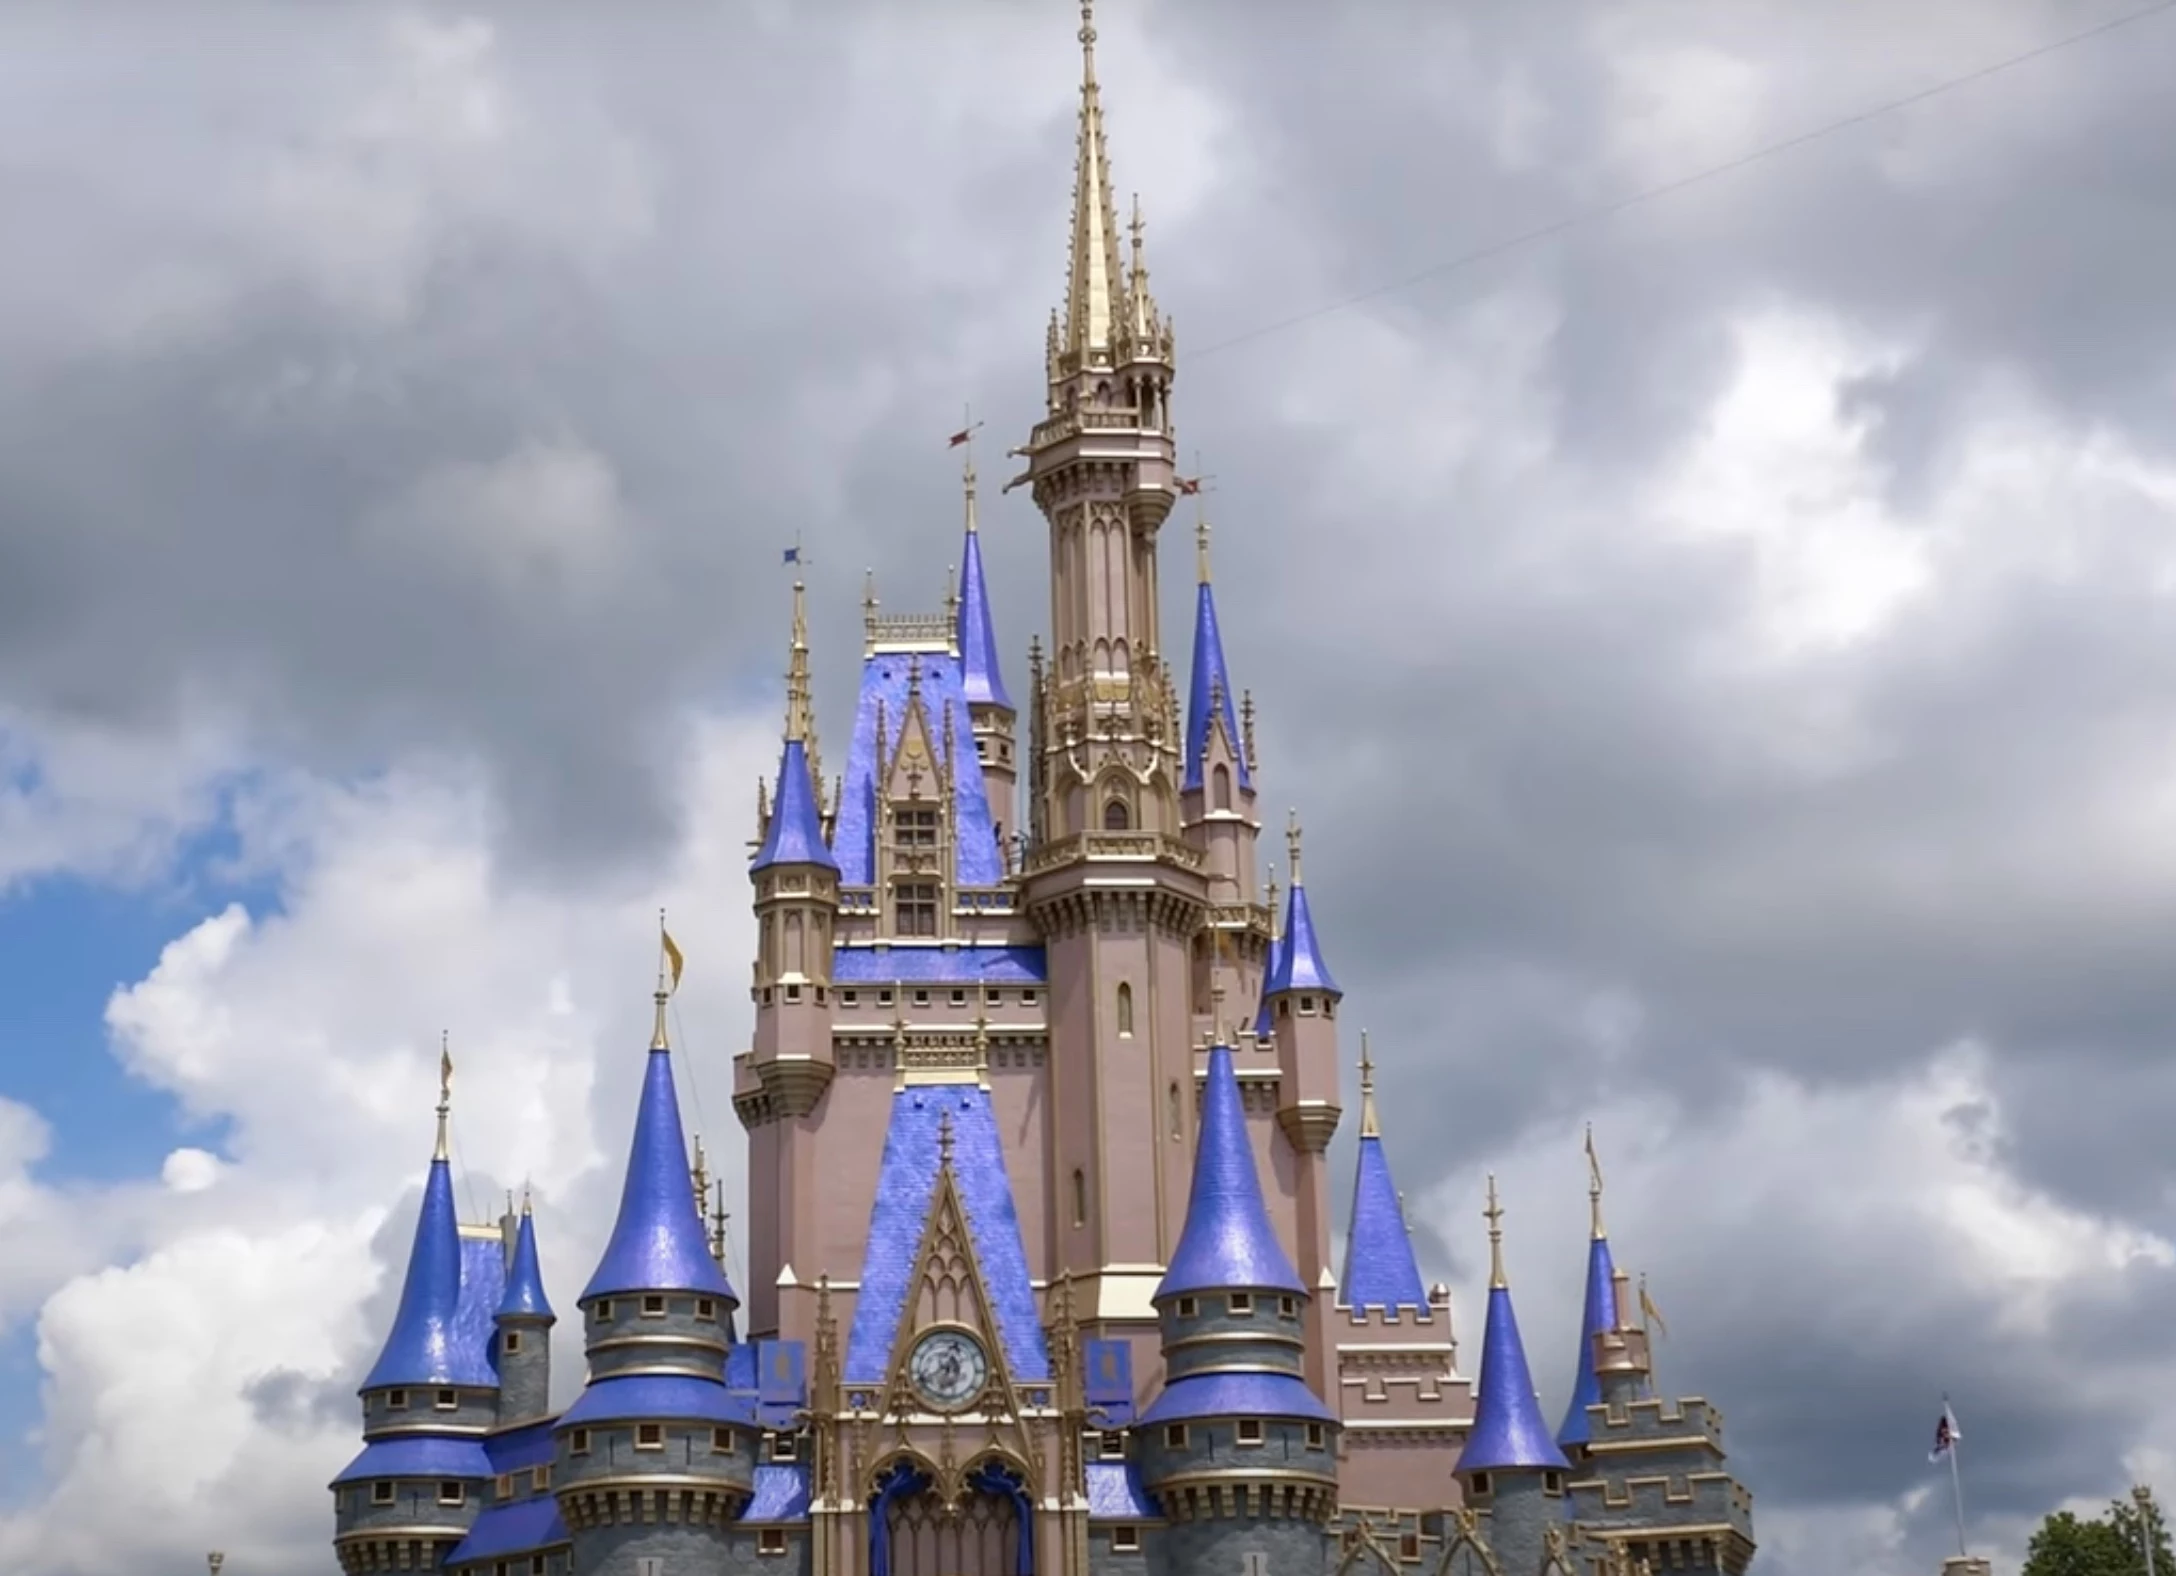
[1956, 1478]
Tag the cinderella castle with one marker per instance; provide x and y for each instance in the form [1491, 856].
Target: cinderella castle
[1038, 1103]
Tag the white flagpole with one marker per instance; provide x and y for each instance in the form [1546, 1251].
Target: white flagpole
[2145, 1524]
[1956, 1477]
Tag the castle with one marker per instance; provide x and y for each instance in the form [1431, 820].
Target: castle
[1039, 1270]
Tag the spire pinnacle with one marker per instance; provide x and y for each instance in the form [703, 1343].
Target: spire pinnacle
[1370, 1124]
[668, 981]
[1594, 1186]
[1494, 1214]
[1201, 549]
[1292, 844]
[800, 719]
[1092, 283]
[445, 1097]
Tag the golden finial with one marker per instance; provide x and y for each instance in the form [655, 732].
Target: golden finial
[800, 723]
[718, 1218]
[1275, 921]
[869, 606]
[444, 1150]
[215, 1560]
[967, 486]
[952, 599]
[668, 980]
[1201, 550]
[525, 1198]
[1620, 1287]
[1292, 844]
[699, 1175]
[1369, 1126]
[1594, 1185]
[1494, 1215]
[1088, 41]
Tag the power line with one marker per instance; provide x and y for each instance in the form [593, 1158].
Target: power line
[1670, 188]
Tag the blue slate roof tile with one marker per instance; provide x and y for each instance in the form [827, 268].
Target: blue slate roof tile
[658, 1242]
[518, 1449]
[522, 1527]
[1299, 964]
[781, 1494]
[1228, 1241]
[906, 1183]
[657, 1398]
[524, 1296]
[431, 1342]
[795, 835]
[946, 965]
[1235, 1395]
[1115, 1493]
[884, 680]
[418, 1456]
[982, 677]
[1599, 1314]
[1507, 1427]
[1211, 682]
[1380, 1270]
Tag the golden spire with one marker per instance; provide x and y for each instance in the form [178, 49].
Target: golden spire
[1275, 921]
[444, 1150]
[525, 1198]
[668, 980]
[869, 606]
[1594, 1185]
[1201, 550]
[1092, 284]
[1292, 844]
[1494, 1214]
[699, 1176]
[1140, 311]
[1370, 1127]
[967, 485]
[800, 717]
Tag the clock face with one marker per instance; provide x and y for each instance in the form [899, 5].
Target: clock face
[948, 1369]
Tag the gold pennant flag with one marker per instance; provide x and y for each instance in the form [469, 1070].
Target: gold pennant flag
[673, 959]
[445, 1070]
[1648, 1311]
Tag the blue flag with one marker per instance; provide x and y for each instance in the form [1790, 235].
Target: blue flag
[793, 555]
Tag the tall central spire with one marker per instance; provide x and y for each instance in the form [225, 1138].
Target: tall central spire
[1093, 283]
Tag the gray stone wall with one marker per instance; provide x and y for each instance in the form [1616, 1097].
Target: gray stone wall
[1520, 1511]
[420, 1412]
[1106, 1560]
[1212, 1445]
[1221, 1548]
[525, 1372]
[415, 1504]
[1214, 1337]
[687, 1451]
[621, 1338]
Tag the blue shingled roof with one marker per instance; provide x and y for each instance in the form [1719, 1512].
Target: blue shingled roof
[1236, 1395]
[796, 833]
[906, 1184]
[658, 1243]
[418, 1456]
[1600, 1314]
[525, 1297]
[1380, 1271]
[982, 679]
[1115, 1493]
[781, 1494]
[1299, 963]
[1507, 1427]
[1211, 680]
[483, 1283]
[966, 965]
[523, 1527]
[884, 675]
[429, 1343]
[519, 1448]
[658, 1396]
[1228, 1241]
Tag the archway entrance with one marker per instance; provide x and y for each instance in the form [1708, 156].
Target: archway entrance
[988, 1531]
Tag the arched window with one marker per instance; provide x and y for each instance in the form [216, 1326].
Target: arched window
[1125, 1010]
[1116, 817]
[1220, 787]
[1080, 1197]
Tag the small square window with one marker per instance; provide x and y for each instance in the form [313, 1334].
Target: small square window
[499, 1569]
[1552, 1482]
[505, 1485]
[540, 1479]
[771, 1540]
[883, 998]
[784, 1448]
[649, 1436]
[1241, 1304]
[602, 1312]
[921, 998]
[1307, 1004]
[578, 1442]
[396, 1400]
[381, 1493]
[452, 1494]
[1188, 1308]
[1125, 1540]
[512, 1343]
[1288, 1307]
[849, 998]
[1480, 1482]
[705, 1308]
[1409, 1546]
[1111, 1446]
[1174, 1436]
[446, 1401]
[959, 998]
[536, 1565]
[653, 1307]
[721, 1441]
[1027, 998]
[1250, 1430]
[1315, 1436]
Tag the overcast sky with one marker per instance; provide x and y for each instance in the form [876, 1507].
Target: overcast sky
[1721, 653]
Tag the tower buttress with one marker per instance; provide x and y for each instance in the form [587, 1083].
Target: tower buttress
[790, 1064]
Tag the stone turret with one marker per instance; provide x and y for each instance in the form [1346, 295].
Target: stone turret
[419, 1482]
[656, 1460]
[524, 1332]
[1238, 1452]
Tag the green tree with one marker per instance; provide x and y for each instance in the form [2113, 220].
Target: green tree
[2107, 1545]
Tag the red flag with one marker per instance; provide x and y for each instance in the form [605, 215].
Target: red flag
[1188, 485]
[1946, 1434]
[961, 436]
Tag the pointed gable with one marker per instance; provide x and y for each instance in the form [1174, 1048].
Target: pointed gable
[906, 1191]
[878, 714]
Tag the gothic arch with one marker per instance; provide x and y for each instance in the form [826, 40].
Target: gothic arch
[1220, 787]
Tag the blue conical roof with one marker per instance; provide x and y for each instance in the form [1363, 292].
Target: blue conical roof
[424, 1347]
[1299, 964]
[1228, 1241]
[981, 677]
[1380, 1270]
[1600, 1314]
[1507, 1427]
[796, 833]
[525, 1297]
[1209, 694]
[658, 1242]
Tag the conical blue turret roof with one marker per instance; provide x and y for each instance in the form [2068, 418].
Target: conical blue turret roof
[1507, 1427]
[425, 1347]
[658, 1242]
[796, 833]
[1228, 1241]
[524, 1298]
[1380, 1270]
[1209, 694]
[1298, 963]
[1600, 1314]
[981, 678]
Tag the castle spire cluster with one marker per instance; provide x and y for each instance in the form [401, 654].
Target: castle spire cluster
[1040, 1094]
